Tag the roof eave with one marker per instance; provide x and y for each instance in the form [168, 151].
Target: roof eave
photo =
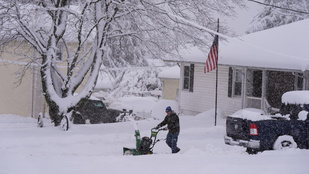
[239, 66]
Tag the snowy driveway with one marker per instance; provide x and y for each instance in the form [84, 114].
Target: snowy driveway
[97, 149]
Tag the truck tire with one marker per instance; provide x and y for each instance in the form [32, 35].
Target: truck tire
[78, 119]
[284, 142]
[251, 151]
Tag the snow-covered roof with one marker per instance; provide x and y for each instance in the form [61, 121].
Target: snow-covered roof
[170, 73]
[284, 47]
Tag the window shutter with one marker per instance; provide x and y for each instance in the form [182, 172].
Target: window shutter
[186, 77]
[230, 82]
[191, 77]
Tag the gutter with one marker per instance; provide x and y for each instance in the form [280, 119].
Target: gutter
[238, 66]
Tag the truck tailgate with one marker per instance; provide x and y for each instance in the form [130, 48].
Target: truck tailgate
[237, 128]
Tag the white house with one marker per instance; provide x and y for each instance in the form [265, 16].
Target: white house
[254, 71]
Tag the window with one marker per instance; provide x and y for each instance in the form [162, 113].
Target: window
[235, 82]
[188, 77]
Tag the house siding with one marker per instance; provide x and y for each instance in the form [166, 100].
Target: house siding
[170, 87]
[203, 96]
[24, 99]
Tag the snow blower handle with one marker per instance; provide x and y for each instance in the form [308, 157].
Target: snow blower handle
[159, 129]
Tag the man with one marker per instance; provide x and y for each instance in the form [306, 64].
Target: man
[172, 121]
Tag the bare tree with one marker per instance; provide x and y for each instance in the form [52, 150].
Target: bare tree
[277, 13]
[97, 32]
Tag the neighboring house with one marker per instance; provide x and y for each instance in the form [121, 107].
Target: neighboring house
[170, 82]
[254, 71]
[25, 98]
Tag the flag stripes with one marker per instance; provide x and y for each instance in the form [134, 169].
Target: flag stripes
[212, 59]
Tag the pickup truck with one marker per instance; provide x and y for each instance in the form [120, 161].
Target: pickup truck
[95, 111]
[256, 131]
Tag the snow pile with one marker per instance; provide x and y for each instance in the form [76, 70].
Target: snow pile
[302, 115]
[141, 106]
[158, 110]
[9, 118]
[211, 113]
[296, 97]
[145, 107]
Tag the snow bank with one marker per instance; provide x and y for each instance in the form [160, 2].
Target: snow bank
[9, 118]
[211, 113]
[145, 107]
[141, 106]
[158, 110]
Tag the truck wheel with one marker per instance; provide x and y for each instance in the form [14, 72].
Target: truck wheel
[251, 151]
[78, 119]
[284, 142]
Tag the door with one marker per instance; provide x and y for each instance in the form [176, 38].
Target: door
[254, 88]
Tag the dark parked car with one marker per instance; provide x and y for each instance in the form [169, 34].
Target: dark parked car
[259, 132]
[95, 111]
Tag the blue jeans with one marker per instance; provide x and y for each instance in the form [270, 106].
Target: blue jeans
[171, 141]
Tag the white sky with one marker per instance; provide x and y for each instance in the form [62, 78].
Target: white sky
[244, 17]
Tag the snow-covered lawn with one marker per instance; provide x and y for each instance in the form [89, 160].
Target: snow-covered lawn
[97, 149]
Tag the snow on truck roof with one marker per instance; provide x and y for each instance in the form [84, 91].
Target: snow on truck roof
[296, 97]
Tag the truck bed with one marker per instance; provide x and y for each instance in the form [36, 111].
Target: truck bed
[267, 131]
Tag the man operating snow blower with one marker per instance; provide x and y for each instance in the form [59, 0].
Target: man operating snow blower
[172, 121]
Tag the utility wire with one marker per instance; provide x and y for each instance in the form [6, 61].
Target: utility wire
[297, 11]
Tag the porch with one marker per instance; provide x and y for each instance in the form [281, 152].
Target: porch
[263, 88]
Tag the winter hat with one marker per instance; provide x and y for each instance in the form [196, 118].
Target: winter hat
[168, 109]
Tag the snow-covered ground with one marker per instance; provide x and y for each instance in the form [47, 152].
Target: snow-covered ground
[97, 149]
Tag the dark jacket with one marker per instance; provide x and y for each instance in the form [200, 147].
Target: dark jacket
[172, 122]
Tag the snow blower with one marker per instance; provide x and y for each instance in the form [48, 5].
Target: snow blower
[143, 145]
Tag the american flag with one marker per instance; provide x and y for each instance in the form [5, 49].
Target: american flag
[212, 60]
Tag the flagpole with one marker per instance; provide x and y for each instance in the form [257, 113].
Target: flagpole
[216, 98]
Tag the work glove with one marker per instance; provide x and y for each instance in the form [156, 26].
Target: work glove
[157, 127]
